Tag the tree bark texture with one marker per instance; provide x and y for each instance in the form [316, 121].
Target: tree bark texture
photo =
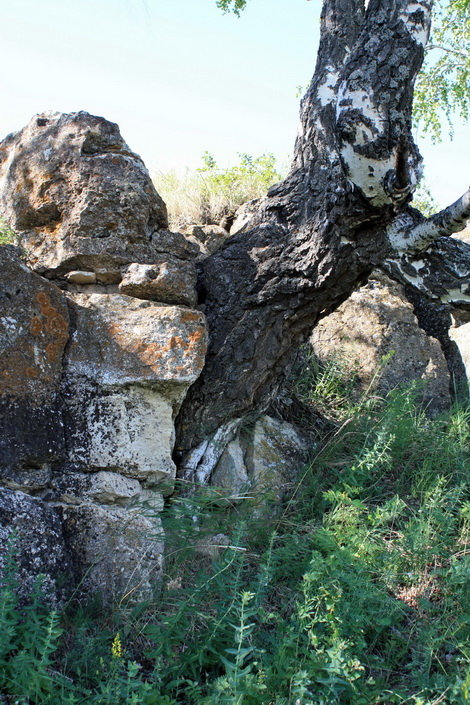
[341, 211]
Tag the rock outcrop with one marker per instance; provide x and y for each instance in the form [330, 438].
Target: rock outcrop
[260, 465]
[377, 328]
[97, 353]
[100, 339]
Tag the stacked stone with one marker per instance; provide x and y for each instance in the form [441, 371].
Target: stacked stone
[100, 341]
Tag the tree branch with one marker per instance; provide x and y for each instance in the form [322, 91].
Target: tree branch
[441, 273]
[447, 50]
[407, 236]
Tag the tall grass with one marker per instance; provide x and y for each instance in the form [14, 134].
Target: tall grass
[357, 592]
[209, 193]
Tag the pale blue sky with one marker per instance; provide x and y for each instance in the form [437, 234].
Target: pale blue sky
[178, 76]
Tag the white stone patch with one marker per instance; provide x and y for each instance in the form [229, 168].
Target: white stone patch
[10, 330]
[418, 32]
[326, 91]
[130, 432]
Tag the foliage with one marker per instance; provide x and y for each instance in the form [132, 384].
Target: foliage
[235, 6]
[357, 591]
[424, 201]
[443, 86]
[7, 235]
[211, 192]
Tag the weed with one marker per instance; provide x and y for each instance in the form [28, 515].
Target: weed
[356, 593]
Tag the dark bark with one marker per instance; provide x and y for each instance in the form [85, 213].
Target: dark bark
[318, 234]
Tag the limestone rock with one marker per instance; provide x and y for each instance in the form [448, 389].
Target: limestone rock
[169, 280]
[31, 532]
[102, 487]
[78, 277]
[274, 455]
[375, 321]
[261, 463]
[129, 431]
[128, 367]
[79, 198]
[121, 340]
[33, 481]
[208, 238]
[118, 551]
[34, 329]
[91, 379]
[459, 334]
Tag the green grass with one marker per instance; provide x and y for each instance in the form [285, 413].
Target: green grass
[357, 592]
[207, 194]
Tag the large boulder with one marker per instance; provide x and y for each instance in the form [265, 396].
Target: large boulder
[118, 552]
[260, 464]
[377, 323]
[33, 549]
[127, 370]
[121, 340]
[80, 199]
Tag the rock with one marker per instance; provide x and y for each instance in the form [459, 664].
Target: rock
[91, 379]
[101, 487]
[33, 481]
[127, 370]
[261, 463]
[208, 238]
[230, 478]
[376, 321]
[32, 539]
[169, 280]
[244, 215]
[77, 277]
[118, 551]
[80, 199]
[34, 329]
[107, 276]
[130, 431]
[212, 546]
[119, 340]
[274, 455]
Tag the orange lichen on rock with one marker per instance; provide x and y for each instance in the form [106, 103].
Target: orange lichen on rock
[131, 341]
[33, 333]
